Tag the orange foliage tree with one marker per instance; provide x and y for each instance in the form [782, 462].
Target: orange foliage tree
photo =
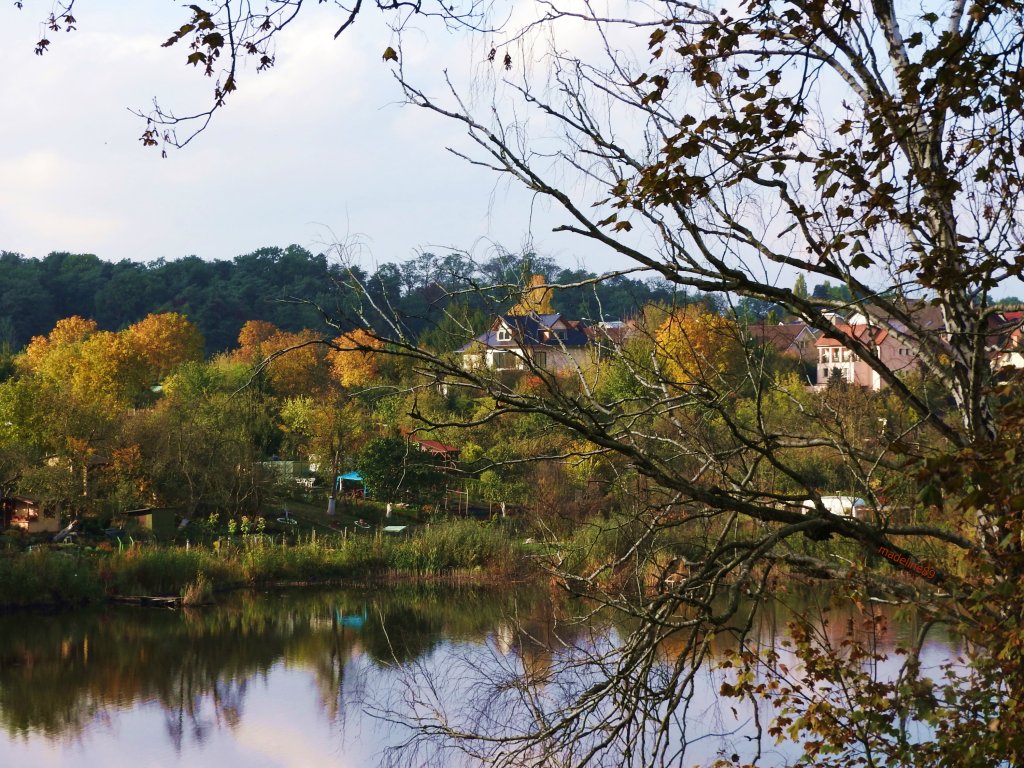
[302, 370]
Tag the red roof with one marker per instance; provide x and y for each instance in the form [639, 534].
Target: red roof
[859, 332]
[435, 447]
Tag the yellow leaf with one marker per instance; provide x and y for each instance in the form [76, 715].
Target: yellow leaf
[390, 54]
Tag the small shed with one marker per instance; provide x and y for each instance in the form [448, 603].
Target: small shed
[159, 520]
[28, 514]
[446, 455]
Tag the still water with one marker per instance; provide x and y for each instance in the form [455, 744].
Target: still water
[288, 679]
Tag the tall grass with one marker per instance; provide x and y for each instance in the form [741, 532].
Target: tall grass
[45, 578]
[51, 577]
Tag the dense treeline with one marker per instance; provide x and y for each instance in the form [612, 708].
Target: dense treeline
[283, 286]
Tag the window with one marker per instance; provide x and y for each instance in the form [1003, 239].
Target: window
[835, 354]
[540, 359]
[504, 360]
[504, 335]
[824, 355]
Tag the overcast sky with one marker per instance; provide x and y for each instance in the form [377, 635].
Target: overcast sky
[316, 149]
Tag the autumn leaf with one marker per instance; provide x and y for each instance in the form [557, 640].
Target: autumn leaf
[390, 54]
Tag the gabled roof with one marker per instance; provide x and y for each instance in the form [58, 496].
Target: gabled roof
[532, 331]
[927, 316]
[864, 333]
[613, 332]
[782, 336]
[1005, 331]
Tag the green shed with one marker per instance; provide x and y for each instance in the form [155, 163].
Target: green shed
[160, 520]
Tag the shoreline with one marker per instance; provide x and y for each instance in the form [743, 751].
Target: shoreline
[454, 554]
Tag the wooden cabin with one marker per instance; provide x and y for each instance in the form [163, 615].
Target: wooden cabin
[28, 514]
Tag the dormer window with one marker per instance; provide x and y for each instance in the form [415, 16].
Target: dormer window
[504, 335]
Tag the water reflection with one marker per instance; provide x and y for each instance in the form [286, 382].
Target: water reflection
[281, 679]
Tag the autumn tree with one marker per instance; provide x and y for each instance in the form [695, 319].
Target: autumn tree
[354, 358]
[696, 345]
[331, 430]
[535, 298]
[165, 341]
[303, 370]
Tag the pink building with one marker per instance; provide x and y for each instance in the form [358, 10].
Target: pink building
[896, 352]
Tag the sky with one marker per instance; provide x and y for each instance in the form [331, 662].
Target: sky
[317, 150]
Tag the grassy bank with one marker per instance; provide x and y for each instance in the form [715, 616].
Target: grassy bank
[464, 549]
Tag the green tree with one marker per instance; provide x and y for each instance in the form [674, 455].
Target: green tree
[800, 287]
[394, 470]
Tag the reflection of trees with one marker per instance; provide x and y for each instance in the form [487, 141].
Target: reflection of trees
[543, 660]
[60, 674]
[466, 655]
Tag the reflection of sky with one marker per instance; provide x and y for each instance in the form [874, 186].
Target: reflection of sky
[284, 717]
[282, 725]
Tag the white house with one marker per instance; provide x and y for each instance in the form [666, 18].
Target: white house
[515, 342]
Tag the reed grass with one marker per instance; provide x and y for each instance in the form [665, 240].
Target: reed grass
[457, 549]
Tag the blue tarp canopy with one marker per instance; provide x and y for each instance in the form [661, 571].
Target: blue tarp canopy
[352, 477]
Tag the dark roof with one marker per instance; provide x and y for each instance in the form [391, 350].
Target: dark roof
[927, 316]
[150, 510]
[19, 500]
[532, 331]
[782, 336]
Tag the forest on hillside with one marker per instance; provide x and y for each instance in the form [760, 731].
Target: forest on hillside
[286, 286]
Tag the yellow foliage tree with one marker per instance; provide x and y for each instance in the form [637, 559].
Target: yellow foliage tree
[107, 369]
[165, 341]
[354, 363]
[535, 299]
[695, 345]
[39, 354]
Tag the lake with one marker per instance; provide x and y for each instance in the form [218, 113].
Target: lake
[304, 678]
